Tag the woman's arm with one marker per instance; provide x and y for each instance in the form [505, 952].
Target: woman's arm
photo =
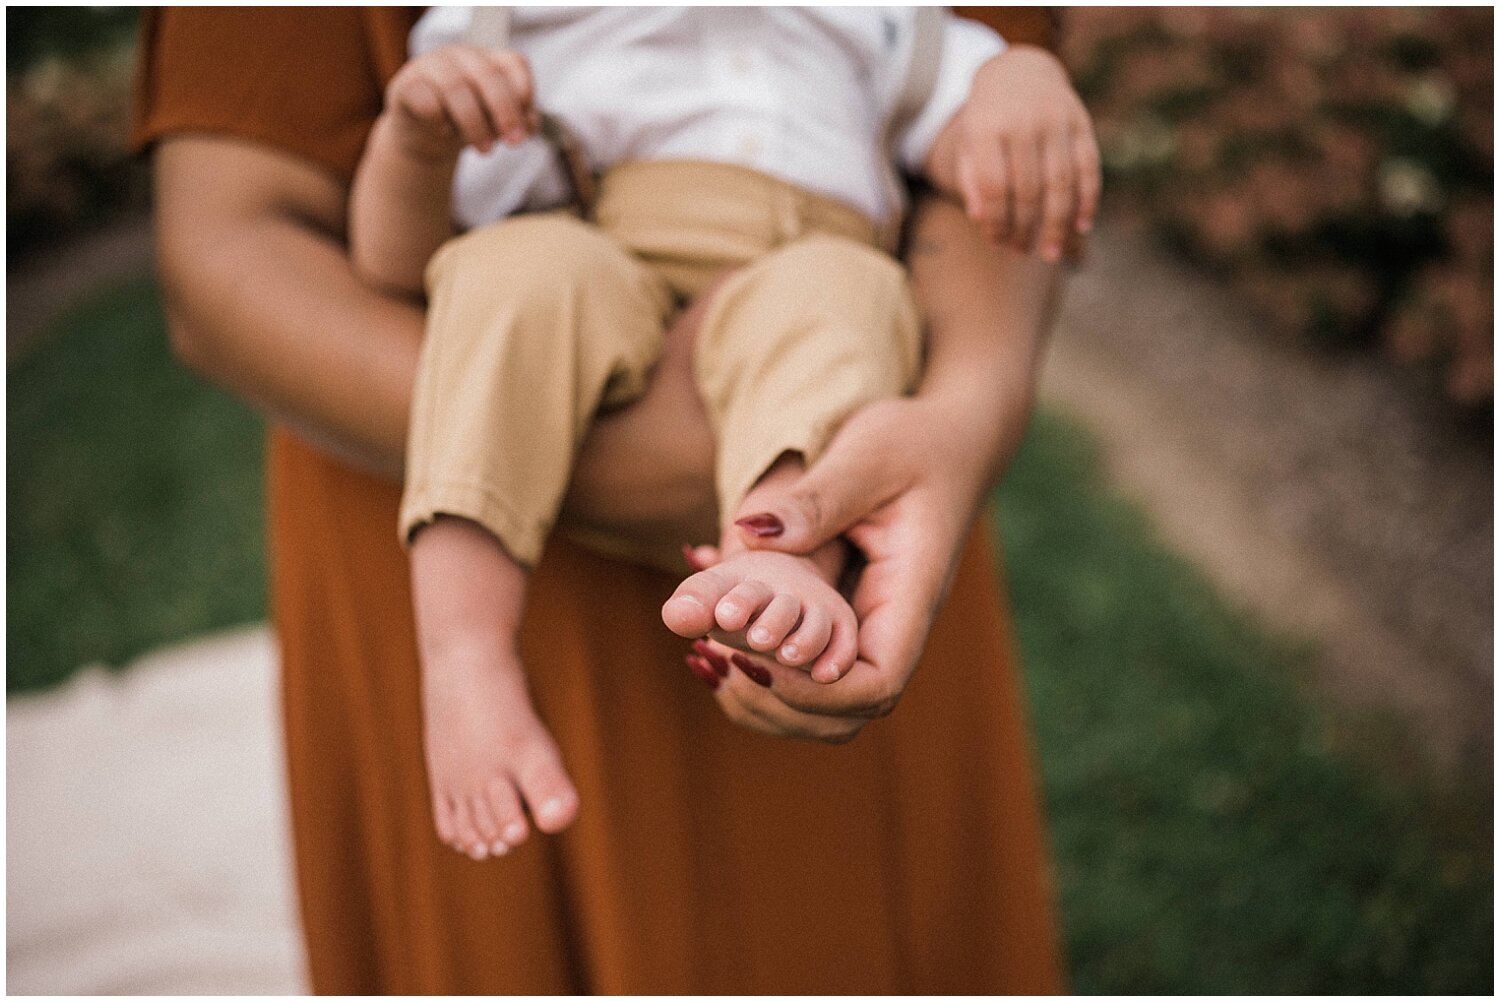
[987, 313]
[262, 299]
[904, 479]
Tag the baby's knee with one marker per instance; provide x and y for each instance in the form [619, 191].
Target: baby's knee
[840, 262]
[867, 290]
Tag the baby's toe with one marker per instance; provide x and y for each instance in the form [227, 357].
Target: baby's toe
[468, 841]
[484, 822]
[773, 624]
[442, 816]
[741, 605]
[510, 819]
[690, 610]
[808, 640]
[546, 788]
[843, 647]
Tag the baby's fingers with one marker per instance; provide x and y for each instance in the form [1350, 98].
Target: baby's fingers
[1058, 197]
[985, 187]
[1024, 160]
[517, 72]
[505, 117]
[461, 103]
[420, 98]
[1086, 162]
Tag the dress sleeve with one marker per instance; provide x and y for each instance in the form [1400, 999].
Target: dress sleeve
[1019, 25]
[306, 80]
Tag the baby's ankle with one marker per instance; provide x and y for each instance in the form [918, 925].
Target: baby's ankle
[459, 653]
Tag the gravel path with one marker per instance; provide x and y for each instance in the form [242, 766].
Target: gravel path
[1324, 492]
[41, 290]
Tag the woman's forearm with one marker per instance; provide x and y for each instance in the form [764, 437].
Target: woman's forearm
[987, 310]
[261, 297]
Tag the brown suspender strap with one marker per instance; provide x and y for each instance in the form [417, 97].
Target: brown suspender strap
[916, 88]
[921, 72]
[490, 27]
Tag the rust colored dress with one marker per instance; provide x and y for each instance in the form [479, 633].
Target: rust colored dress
[705, 859]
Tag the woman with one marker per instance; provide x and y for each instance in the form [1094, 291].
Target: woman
[706, 858]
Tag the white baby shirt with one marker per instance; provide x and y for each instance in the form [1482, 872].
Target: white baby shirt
[801, 93]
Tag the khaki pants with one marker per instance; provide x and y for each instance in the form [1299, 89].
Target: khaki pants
[538, 321]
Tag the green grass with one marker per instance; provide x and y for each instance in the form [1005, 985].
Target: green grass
[1207, 836]
[134, 496]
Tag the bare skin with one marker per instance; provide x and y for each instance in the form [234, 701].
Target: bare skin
[903, 480]
[773, 603]
[250, 255]
[474, 695]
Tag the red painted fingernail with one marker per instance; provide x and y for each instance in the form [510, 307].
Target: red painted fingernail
[701, 668]
[764, 525]
[753, 671]
[707, 653]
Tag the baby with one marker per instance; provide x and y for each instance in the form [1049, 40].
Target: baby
[756, 143]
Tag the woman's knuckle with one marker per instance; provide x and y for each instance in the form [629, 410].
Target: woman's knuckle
[841, 735]
[809, 506]
[885, 703]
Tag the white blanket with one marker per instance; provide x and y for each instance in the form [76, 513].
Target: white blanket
[146, 825]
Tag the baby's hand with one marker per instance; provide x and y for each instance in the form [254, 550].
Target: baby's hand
[1025, 161]
[462, 95]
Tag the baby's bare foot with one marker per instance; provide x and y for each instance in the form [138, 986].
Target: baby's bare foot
[490, 761]
[488, 755]
[778, 603]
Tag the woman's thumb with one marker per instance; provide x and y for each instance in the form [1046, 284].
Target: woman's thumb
[803, 514]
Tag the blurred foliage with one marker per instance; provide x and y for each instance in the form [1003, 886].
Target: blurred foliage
[1337, 163]
[67, 98]
[34, 34]
[1207, 836]
[133, 494]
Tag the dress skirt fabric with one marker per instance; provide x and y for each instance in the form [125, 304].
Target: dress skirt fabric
[705, 859]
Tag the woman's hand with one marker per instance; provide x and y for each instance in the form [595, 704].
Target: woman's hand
[742, 687]
[904, 479]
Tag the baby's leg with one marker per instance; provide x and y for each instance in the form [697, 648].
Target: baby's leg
[533, 324]
[790, 347]
[488, 755]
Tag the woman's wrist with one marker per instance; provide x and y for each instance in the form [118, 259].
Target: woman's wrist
[977, 417]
